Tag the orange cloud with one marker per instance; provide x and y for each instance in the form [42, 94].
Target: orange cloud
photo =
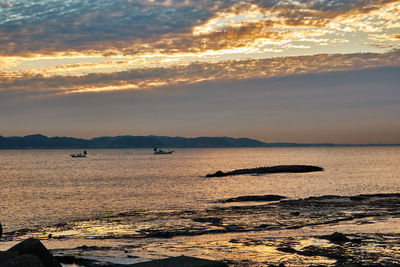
[229, 70]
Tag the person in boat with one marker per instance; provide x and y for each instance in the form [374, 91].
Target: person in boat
[84, 152]
[155, 149]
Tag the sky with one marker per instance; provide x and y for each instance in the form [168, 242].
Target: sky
[277, 71]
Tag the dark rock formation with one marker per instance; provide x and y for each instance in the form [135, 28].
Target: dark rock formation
[337, 237]
[24, 260]
[335, 253]
[254, 198]
[28, 253]
[170, 262]
[367, 197]
[182, 261]
[274, 169]
[212, 220]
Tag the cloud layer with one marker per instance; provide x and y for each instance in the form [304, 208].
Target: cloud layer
[140, 79]
[136, 27]
[127, 43]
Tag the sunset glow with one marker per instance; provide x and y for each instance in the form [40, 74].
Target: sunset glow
[53, 48]
[231, 31]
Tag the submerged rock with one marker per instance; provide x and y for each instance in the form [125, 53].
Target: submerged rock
[274, 169]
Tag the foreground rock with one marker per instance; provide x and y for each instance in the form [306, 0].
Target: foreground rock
[274, 169]
[28, 253]
[32, 253]
[181, 261]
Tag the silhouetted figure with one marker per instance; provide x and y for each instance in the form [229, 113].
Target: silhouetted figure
[1, 230]
[84, 152]
[155, 149]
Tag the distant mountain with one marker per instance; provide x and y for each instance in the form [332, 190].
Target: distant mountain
[38, 141]
[199, 142]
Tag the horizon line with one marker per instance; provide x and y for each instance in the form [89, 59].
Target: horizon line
[267, 143]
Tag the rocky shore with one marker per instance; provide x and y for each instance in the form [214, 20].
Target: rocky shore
[266, 170]
[32, 253]
[270, 230]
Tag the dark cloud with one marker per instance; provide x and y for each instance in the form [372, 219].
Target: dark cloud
[67, 25]
[97, 25]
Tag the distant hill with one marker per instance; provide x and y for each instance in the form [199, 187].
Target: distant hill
[38, 141]
[209, 142]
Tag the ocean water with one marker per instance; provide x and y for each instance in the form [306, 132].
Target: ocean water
[40, 188]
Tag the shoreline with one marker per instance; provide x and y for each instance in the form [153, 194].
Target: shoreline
[290, 230]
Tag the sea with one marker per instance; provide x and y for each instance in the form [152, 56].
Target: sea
[139, 195]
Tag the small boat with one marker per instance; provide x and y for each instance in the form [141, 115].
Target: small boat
[78, 155]
[162, 152]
